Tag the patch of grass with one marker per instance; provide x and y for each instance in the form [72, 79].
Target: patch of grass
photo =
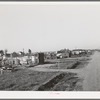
[68, 83]
[81, 64]
[63, 64]
[50, 84]
[23, 79]
[71, 63]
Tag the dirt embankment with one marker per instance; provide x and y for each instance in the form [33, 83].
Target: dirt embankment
[66, 81]
[62, 82]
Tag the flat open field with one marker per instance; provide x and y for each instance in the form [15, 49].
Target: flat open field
[23, 79]
[65, 63]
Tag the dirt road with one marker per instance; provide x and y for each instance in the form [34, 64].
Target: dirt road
[91, 74]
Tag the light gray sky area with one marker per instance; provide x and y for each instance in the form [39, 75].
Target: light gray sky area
[49, 27]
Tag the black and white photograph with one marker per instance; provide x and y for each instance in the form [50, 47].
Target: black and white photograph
[50, 46]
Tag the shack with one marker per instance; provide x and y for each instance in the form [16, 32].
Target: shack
[64, 53]
[79, 52]
[33, 59]
[25, 60]
[41, 58]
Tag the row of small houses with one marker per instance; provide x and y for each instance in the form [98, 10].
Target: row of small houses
[39, 58]
[66, 53]
[31, 59]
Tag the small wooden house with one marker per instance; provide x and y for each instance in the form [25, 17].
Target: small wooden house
[64, 53]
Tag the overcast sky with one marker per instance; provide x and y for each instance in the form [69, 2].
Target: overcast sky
[49, 27]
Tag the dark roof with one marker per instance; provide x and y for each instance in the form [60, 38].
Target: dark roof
[78, 50]
[8, 55]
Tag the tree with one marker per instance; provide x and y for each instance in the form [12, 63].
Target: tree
[14, 54]
[5, 51]
[29, 51]
[1, 52]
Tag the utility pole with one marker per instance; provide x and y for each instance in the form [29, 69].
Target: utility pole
[23, 50]
[58, 65]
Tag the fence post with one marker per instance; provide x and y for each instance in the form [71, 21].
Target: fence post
[1, 71]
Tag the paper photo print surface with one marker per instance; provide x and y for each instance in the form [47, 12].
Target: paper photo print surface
[49, 46]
